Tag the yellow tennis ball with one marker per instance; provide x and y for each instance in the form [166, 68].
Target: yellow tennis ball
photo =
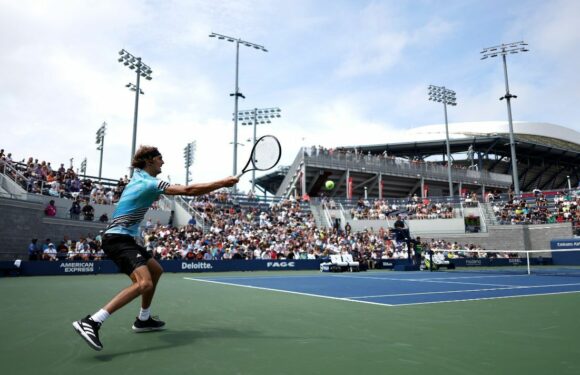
[329, 185]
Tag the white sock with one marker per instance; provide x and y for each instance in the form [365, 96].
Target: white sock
[144, 314]
[100, 316]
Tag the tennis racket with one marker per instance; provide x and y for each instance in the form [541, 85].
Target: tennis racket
[265, 155]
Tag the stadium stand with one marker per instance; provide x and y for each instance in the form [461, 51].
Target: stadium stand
[40, 177]
[225, 226]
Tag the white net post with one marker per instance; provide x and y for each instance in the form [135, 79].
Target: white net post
[528, 261]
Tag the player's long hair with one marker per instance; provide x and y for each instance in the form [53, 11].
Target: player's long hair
[143, 154]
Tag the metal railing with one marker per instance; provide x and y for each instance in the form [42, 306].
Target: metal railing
[200, 221]
[15, 175]
[406, 168]
[482, 218]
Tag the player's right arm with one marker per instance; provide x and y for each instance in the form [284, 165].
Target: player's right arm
[201, 188]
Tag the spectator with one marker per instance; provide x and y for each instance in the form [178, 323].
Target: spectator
[399, 224]
[62, 250]
[148, 225]
[104, 218]
[49, 253]
[75, 210]
[50, 209]
[88, 211]
[32, 249]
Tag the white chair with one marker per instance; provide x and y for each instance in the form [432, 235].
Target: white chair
[352, 265]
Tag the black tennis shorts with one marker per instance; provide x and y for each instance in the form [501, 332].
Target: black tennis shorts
[125, 252]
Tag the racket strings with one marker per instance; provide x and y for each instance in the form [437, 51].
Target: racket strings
[266, 153]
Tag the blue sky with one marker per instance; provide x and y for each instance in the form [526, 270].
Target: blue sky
[343, 73]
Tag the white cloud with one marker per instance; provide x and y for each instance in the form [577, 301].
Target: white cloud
[343, 73]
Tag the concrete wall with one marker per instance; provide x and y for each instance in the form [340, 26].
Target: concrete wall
[63, 205]
[417, 227]
[22, 220]
[508, 237]
[540, 235]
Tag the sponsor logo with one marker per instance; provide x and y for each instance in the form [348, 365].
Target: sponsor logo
[568, 244]
[473, 262]
[515, 261]
[78, 267]
[196, 266]
[280, 265]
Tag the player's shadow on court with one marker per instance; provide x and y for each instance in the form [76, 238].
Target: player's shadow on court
[171, 339]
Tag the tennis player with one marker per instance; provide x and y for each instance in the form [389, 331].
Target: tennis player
[132, 259]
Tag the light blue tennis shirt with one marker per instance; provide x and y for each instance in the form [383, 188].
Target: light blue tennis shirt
[138, 196]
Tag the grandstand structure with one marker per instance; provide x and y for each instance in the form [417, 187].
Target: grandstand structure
[547, 158]
[395, 173]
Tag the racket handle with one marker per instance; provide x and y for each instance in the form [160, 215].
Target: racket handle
[240, 175]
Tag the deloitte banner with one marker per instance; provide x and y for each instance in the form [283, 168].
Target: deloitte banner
[239, 265]
[40, 268]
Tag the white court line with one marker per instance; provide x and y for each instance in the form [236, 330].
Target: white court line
[262, 277]
[286, 291]
[384, 304]
[465, 291]
[482, 299]
[429, 278]
[442, 281]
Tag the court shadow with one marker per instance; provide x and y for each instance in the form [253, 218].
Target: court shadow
[172, 339]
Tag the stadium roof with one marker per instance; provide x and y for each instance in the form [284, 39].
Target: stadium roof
[547, 153]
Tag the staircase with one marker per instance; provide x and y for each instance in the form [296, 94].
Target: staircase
[490, 218]
[292, 176]
[199, 220]
[318, 215]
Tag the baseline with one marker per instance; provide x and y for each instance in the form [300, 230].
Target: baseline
[285, 291]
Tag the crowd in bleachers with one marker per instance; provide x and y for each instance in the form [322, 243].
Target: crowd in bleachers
[414, 208]
[539, 209]
[283, 230]
[40, 177]
[84, 249]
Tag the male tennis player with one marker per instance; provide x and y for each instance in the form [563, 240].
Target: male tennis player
[120, 246]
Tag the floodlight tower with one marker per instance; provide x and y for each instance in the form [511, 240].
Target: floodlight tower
[101, 143]
[254, 117]
[443, 95]
[144, 71]
[503, 50]
[189, 157]
[237, 92]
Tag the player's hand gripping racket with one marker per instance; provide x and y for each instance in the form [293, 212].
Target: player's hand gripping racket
[265, 155]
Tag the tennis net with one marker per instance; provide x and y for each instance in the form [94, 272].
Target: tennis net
[532, 262]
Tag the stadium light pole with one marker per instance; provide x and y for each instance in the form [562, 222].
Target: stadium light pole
[254, 117]
[101, 143]
[189, 156]
[84, 168]
[443, 95]
[142, 70]
[237, 92]
[503, 50]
